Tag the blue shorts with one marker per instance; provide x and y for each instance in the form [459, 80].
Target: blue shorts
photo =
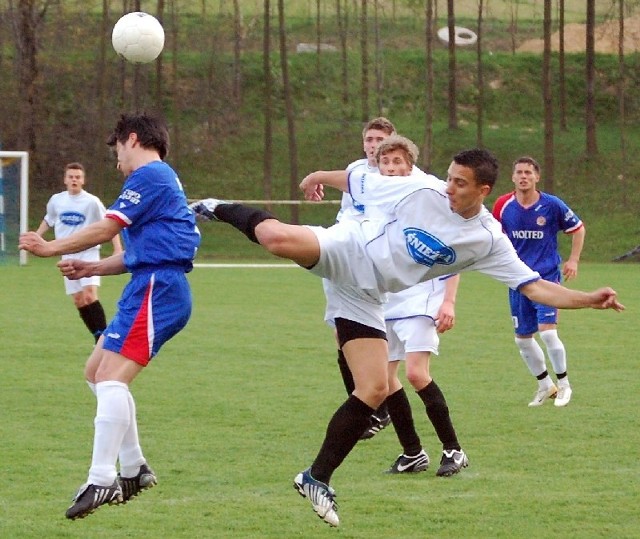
[155, 305]
[527, 315]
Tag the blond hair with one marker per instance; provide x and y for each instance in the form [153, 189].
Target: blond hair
[398, 142]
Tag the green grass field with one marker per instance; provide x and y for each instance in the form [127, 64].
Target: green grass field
[237, 404]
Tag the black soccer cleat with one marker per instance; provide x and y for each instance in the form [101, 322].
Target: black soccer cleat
[89, 497]
[414, 464]
[132, 486]
[377, 424]
[452, 462]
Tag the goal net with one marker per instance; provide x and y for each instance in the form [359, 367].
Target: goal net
[14, 196]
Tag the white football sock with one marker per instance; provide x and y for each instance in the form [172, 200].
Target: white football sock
[556, 352]
[92, 387]
[131, 457]
[111, 423]
[533, 357]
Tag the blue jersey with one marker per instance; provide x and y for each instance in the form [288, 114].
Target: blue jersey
[533, 230]
[160, 230]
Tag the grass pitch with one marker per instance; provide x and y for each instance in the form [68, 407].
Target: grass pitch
[237, 404]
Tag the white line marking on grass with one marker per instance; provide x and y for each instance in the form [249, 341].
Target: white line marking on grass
[246, 266]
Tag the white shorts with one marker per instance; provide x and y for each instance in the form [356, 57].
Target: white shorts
[417, 334]
[353, 292]
[73, 287]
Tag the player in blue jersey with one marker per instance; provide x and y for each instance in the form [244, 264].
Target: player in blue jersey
[161, 239]
[532, 220]
[68, 212]
[427, 228]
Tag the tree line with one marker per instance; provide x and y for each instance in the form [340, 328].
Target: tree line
[39, 118]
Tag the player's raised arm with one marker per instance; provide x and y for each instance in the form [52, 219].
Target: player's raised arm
[313, 185]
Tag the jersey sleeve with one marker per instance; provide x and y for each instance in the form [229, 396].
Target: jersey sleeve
[503, 264]
[137, 201]
[51, 215]
[499, 205]
[568, 221]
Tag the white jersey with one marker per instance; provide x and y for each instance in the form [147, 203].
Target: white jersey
[67, 214]
[350, 208]
[423, 299]
[421, 238]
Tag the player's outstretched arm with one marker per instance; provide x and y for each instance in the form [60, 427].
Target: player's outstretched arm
[558, 296]
[90, 236]
[313, 185]
[75, 269]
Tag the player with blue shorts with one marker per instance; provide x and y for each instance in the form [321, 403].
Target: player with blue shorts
[532, 220]
[161, 239]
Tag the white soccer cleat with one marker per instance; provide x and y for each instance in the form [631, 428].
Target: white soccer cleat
[204, 209]
[542, 395]
[321, 496]
[564, 396]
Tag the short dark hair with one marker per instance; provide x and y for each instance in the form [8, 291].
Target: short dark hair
[381, 124]
[398, 142]
[529, 161]
[151, 130]
[482, 162]
[74, 166]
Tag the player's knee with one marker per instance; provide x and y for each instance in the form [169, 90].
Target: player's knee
[379, 393]
[418, 378]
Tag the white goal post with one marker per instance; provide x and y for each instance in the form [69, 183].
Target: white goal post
[20, 197]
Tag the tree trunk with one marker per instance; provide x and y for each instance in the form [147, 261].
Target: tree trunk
[100, 174]
[159, 77]
[427, 148]
[318, 38]
[622, 121]
[267, 164]
[451, 20]
[548, 101]
[590, 109]
[480, 81]
[378, 59]
[291, 126]
[364, 53]
[343, 27]
[513, 27]
[175, 109]
[237, 54]
[562, 88]
[26, 37]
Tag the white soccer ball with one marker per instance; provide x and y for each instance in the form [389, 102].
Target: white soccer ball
[138, 37]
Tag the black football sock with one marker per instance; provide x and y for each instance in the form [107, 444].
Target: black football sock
[345, 371]
[402, 419]
[343, 433]
[438, 413]
[94, 318]
[244, 218]
[383, 410]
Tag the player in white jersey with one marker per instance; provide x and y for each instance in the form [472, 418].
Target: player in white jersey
[373, 133]
[410, 318]
[413, 318]
[432, 228]
[532, 220]
[68, 212]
